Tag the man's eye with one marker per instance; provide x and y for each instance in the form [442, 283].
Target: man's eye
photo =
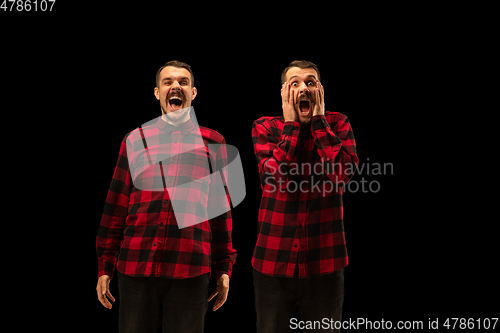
[183, 83]
[167, 82]
[294, 84]
[310, 83]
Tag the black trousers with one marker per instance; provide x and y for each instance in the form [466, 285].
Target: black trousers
[146, 303]
[316, 297]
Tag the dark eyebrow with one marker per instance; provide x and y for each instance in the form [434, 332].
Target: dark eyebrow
[313, 76]
[170, 78]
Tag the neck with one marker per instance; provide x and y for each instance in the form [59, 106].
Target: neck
[176, 118]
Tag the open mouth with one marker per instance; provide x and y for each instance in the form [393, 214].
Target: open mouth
[175, 103]
[304, 107]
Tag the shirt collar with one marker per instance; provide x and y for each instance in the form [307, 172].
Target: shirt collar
[168, 128]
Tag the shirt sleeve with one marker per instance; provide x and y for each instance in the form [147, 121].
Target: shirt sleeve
[275, 153]
[110, 233]
[223, 253]
[336, 147]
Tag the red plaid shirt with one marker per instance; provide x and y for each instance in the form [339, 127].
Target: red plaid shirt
[303, 169]
[139, 230]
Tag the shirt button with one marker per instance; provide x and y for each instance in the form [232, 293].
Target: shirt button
[295, 245]
[154, 244]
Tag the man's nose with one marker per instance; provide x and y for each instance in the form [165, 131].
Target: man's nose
[303, 88]
[175, 86]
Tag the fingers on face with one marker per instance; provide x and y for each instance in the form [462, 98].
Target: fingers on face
[319, 92]
[322, 92]
[286, 93]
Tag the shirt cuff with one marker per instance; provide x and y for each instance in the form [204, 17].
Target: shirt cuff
[105, 268]
[226, 269]
[289, 138]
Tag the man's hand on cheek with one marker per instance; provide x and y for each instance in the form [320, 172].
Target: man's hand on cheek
[319, 99]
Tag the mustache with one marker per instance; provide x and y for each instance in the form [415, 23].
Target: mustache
[305, 94]
[175, 93]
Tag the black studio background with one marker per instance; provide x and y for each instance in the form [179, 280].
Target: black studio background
[420, 247]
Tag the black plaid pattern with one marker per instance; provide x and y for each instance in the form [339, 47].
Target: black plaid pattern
[139, 232]
[300, 219]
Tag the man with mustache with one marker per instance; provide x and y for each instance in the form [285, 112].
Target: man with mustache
[164, 266]
[175, 91]
[300, 252]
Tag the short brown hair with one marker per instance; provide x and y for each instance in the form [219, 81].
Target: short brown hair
[300, 64]
[178, 64]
